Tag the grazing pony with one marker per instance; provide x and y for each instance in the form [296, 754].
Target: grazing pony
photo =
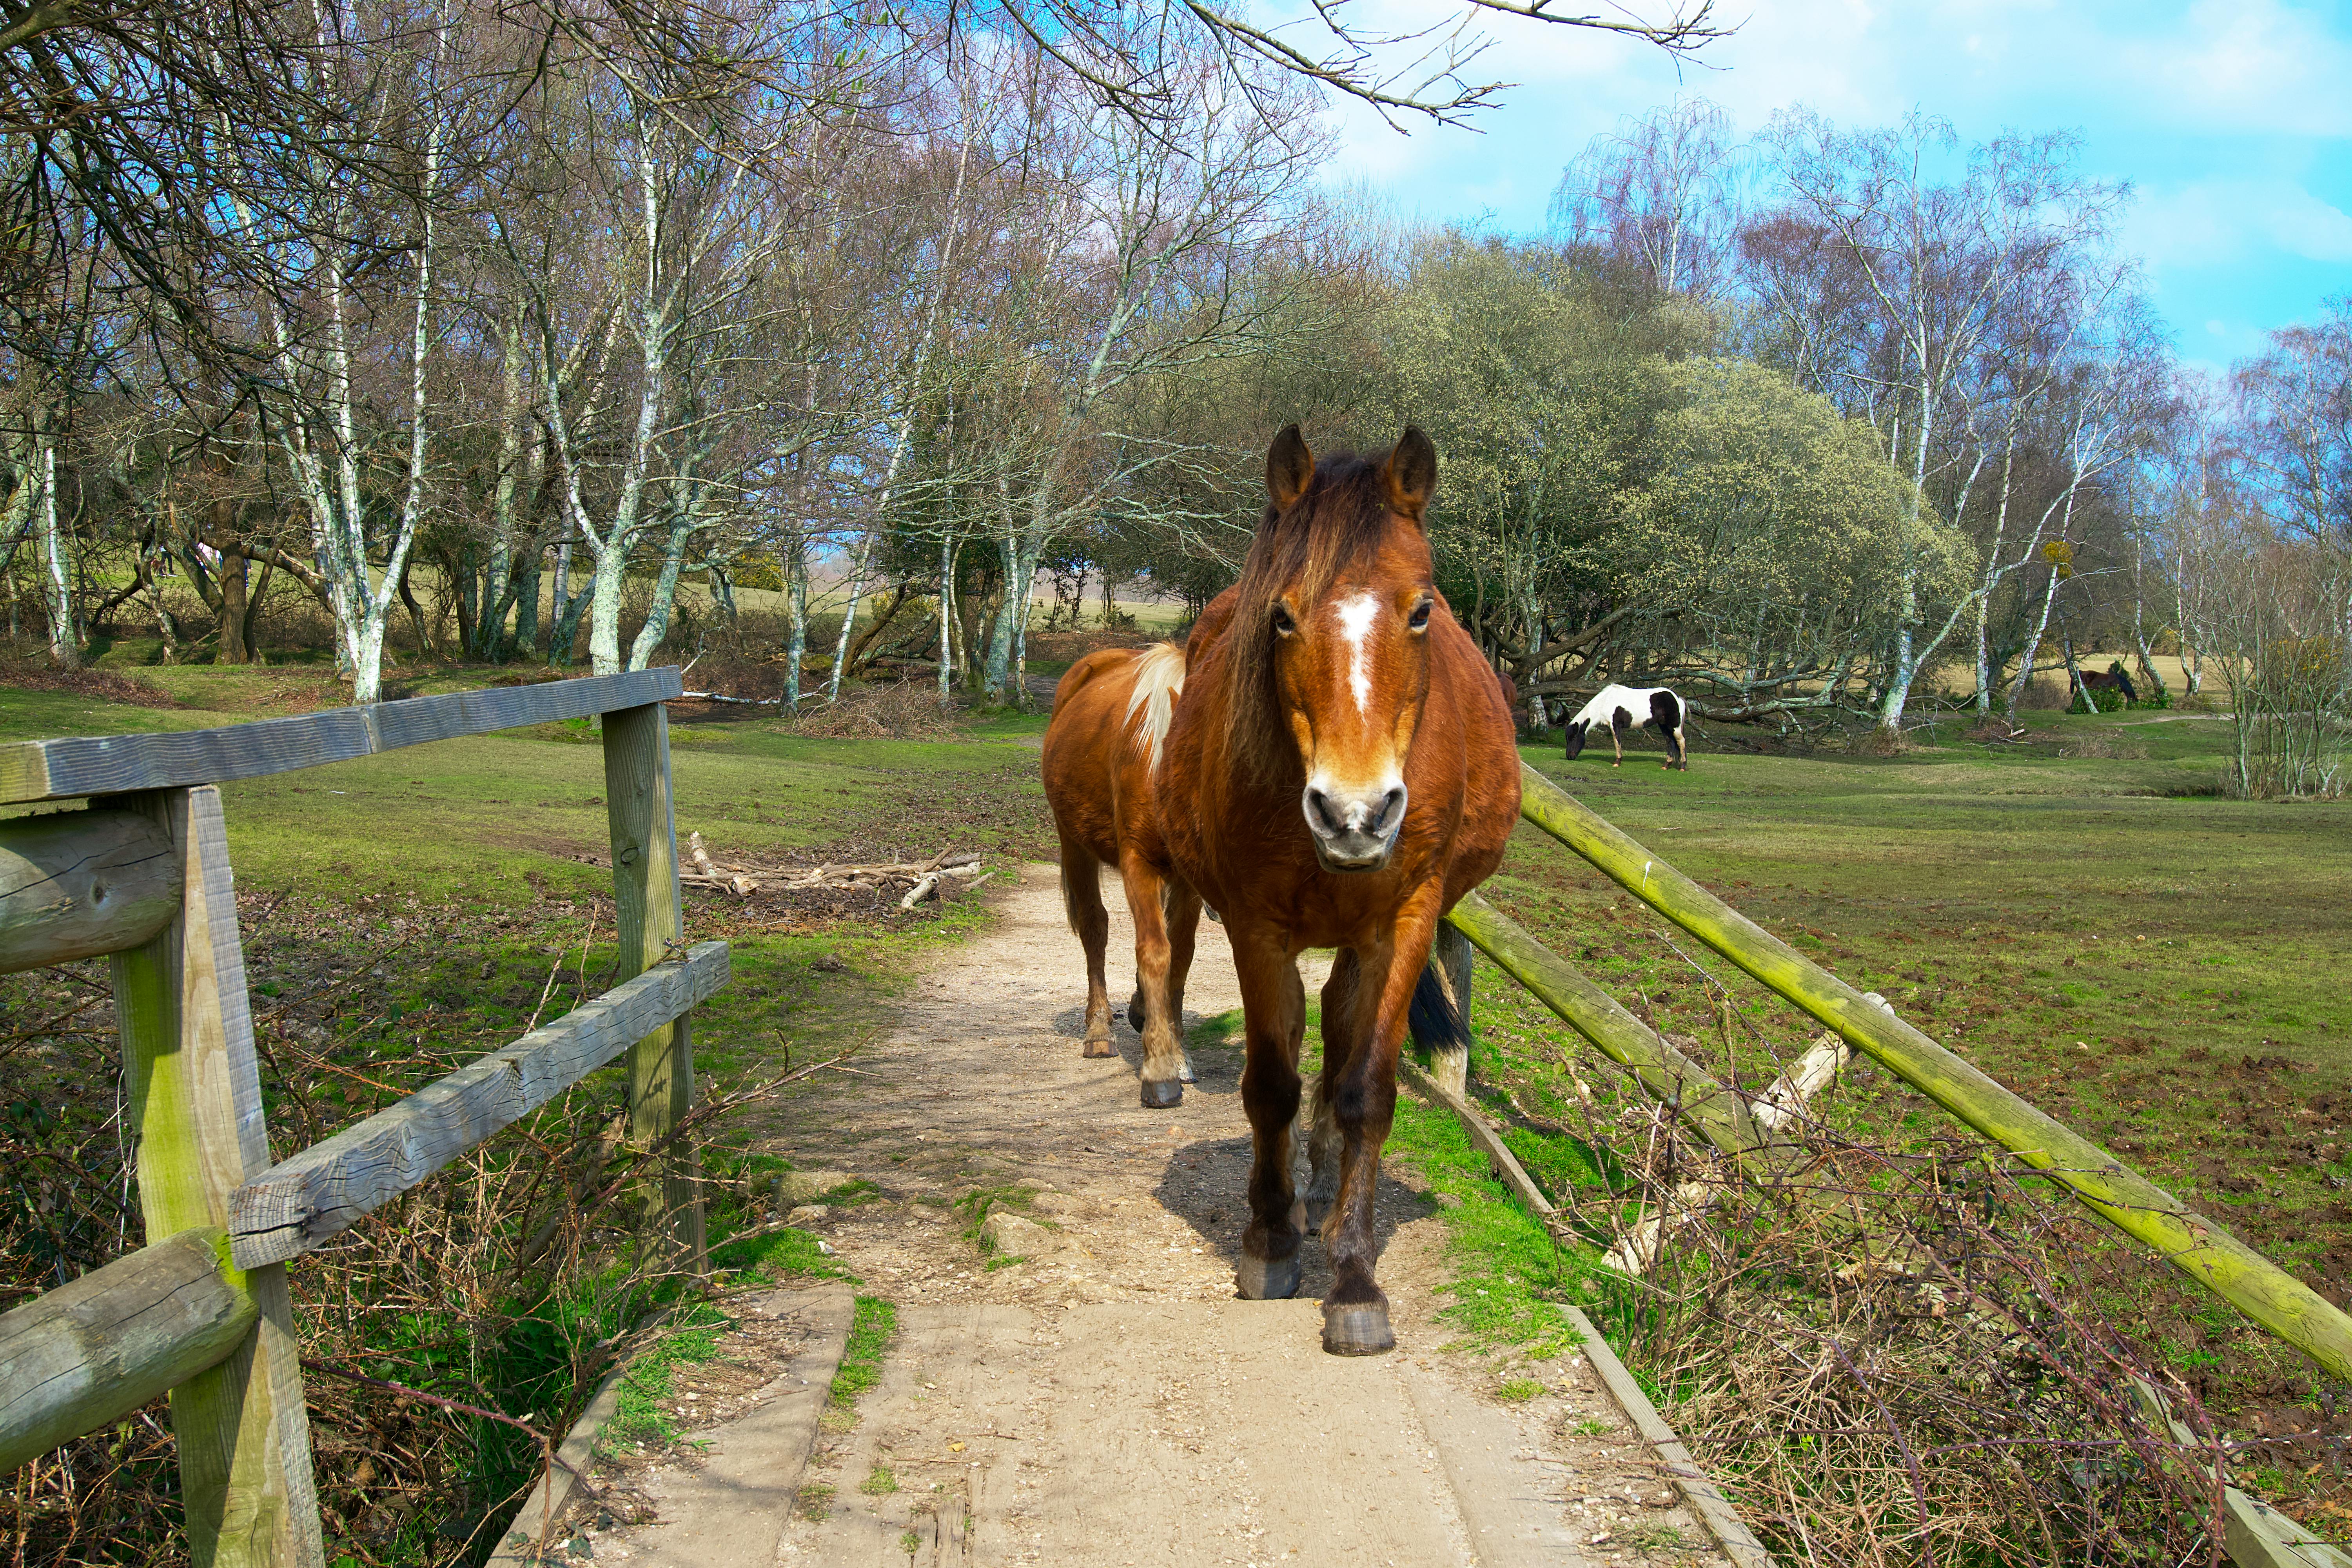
[1625, 709]
[1112, 713]
[1345, 769]
[2115, 679]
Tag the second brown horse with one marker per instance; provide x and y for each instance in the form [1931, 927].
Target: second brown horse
[1341, 771]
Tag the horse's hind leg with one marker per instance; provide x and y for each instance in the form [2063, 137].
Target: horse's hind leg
[1082, 900]
[1163, 1052]
[1276, 1006]
[1183, 908]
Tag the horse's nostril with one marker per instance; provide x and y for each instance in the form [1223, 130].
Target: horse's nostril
[1319, 814]
[1391, 808]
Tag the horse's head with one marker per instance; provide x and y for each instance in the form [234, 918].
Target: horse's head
[1336, 603]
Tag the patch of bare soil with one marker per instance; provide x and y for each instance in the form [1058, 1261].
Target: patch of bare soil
[1074, 1380]
[108, 684]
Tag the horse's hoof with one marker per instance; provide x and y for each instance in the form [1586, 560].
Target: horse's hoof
[1184, 1073]
[1163, 1094]
[1260, 1281]
[1360, 1328]
[1100, 1048]
[1318, 1209]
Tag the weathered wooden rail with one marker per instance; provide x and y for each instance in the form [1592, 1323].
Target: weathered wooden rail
[2256, 1536]
[201, 1311]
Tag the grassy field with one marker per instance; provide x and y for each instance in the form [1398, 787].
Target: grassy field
[2082, 915]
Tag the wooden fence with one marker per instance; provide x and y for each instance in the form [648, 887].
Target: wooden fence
[142, 874]
[2255, 1535]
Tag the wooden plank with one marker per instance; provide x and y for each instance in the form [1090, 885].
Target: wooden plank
[2253, 1533]
[76, 884]
[421, 719]
[109, 765]
[294, 1205]
[651, 919]
[1714, 1510]
[1483, 1134]
[1450, 954]
[89, 1353]
[2115, 1191]
[196, 1100]
[1717, 1113]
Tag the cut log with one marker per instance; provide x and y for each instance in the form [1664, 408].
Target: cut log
[77, 884]
[293, 1207]
[90, 1352]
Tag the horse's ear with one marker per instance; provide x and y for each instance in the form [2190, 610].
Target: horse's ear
[1289, 468]
[1411, 472]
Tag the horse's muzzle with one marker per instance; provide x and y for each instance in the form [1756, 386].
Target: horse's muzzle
[1354, 832]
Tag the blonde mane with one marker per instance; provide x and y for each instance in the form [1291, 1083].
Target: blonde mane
[1159, 681]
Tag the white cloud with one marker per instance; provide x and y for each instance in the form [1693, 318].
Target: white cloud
[2211, 222]
[2244, 66]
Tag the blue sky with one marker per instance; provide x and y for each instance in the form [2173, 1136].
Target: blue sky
[2233, 121]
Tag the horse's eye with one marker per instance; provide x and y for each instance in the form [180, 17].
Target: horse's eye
[1282, 621]
[1420, 621]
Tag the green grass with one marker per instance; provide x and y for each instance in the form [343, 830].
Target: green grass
[690, 1339]
[870, 1329]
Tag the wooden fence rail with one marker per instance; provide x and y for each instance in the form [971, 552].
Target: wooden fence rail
[2255, 1535]
[2110, 1189]
[143, 874]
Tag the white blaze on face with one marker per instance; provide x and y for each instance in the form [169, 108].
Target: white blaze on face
[1356, 618]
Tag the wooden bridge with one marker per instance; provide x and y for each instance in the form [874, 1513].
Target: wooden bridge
[142, 874]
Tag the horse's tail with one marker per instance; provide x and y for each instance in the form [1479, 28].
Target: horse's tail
[1159, 681]
[1434, 1018]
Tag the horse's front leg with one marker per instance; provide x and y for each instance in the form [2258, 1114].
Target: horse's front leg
[1163, 1051]
[1276, 1007]
[1316, 1123]
[1363, 1098]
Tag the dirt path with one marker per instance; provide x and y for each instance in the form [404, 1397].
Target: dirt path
[1106, 1400]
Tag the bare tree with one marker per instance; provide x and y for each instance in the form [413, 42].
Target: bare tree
[1661, 192]
[1895, 282]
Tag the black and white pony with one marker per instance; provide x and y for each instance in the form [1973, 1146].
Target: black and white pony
[1625, 709]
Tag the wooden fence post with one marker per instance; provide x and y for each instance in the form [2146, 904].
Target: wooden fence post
[653, 922]
[1451, 955]
[246, 1483]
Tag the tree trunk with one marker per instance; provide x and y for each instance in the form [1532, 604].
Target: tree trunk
[2139, 618]
[2032, 650]
[524, 590]
[234, 572]
[665, 594]
[562, 612]
[947, 617]
[65, 647]
[250, 623]
[794, 561]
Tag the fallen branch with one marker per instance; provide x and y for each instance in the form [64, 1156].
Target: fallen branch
[743, 881]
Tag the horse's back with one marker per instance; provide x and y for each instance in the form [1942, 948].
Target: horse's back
[1095, 778]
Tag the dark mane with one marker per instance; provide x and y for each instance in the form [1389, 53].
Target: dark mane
[1342, 520]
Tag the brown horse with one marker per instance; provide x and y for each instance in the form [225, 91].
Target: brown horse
[1112, 713]
[1346, 766]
